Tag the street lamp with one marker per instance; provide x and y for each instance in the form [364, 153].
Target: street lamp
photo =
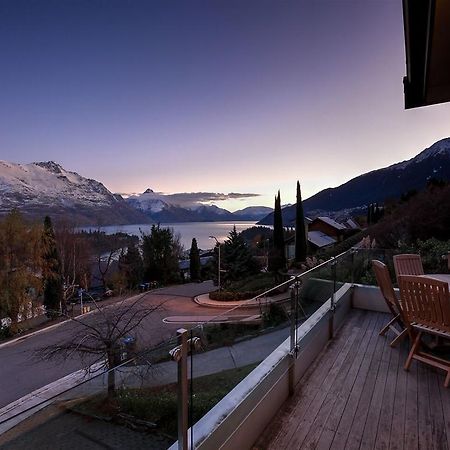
[218, 272]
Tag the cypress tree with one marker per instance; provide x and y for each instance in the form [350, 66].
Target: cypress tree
[194, 261]
[53, 285]
[300, 231]
[277, 260]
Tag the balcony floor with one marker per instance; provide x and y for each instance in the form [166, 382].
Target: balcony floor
[357, 395]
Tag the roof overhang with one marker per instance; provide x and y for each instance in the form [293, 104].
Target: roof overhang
[427, 41]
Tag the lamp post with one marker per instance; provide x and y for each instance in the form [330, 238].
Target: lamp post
[218, 272]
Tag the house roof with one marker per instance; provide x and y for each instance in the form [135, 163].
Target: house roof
[320, 239]
[331, 222]
[352, 224]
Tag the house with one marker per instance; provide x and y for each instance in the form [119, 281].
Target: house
[184, 266]
[316, 241]
[329, 227]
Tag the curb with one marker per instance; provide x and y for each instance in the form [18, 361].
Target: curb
[42, 330]
[248, 304]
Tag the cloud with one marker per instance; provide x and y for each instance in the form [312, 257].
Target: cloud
[205, 197]
[194, 198]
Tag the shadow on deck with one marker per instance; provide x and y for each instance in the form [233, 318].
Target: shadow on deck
[357, 395]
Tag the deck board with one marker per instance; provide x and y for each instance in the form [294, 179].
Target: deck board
[357, 395]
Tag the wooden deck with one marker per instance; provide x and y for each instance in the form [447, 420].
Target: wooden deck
[357, 395]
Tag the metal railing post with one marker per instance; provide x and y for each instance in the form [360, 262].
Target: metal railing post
[183, 400]
[332, 300]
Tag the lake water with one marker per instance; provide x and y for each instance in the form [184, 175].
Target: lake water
[187, 230]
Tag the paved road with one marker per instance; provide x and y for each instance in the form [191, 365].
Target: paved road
[21, 373]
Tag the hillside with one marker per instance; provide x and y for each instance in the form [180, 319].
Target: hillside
[379, 185]
[425, 215]
[46, 188]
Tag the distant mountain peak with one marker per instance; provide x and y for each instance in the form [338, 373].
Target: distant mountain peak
[440, 147]
[149, 191]
[51, 166]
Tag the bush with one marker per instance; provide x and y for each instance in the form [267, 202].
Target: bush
[244, 289]
[431, 251]
[229, 296]
[5, 333]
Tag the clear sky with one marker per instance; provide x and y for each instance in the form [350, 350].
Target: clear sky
[215, 96]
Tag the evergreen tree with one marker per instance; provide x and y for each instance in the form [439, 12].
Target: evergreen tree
[194, 261]
[300, 231]
[161, 251]
[237, 260]
[52, 278]
[277, 259]
[130, 264]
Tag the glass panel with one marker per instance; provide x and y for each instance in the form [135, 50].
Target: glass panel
[141, 410]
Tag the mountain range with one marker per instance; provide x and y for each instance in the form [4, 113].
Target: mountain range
[159, 209]
[46, 188]
[376, 186]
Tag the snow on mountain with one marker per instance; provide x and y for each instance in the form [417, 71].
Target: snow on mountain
[47, 188]
[438, 149]
[148, 202]
[48, 181]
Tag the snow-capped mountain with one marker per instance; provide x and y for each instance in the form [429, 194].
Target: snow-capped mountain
[42, 188]
[148, 202]
[379, 185]
[166, 208]
[159, 208]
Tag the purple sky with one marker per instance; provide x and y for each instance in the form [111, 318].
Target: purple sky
[216, 96]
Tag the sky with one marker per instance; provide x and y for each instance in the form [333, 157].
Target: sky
[209, 96]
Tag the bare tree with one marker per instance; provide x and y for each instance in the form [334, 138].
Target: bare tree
[100, 340]
[75, 260]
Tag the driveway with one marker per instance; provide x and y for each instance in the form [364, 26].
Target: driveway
[21, 372]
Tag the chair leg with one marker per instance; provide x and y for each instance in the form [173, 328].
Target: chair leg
[413, 350]
[399, 338]
[387, 326]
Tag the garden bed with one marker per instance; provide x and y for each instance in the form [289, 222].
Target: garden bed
[155, 409]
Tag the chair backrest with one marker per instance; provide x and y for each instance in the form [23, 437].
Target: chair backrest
[408, 264]
[426, 301]
[385, 284]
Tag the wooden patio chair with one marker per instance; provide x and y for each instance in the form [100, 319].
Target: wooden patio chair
[426, 305]
[408, 264]
[385, 284]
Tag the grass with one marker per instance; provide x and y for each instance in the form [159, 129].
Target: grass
[159, 405]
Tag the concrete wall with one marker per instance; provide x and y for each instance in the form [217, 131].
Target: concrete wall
[238, 419]
[369, 298]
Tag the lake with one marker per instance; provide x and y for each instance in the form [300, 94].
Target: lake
[187, 230]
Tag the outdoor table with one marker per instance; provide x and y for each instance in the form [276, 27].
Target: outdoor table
[438, 276]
